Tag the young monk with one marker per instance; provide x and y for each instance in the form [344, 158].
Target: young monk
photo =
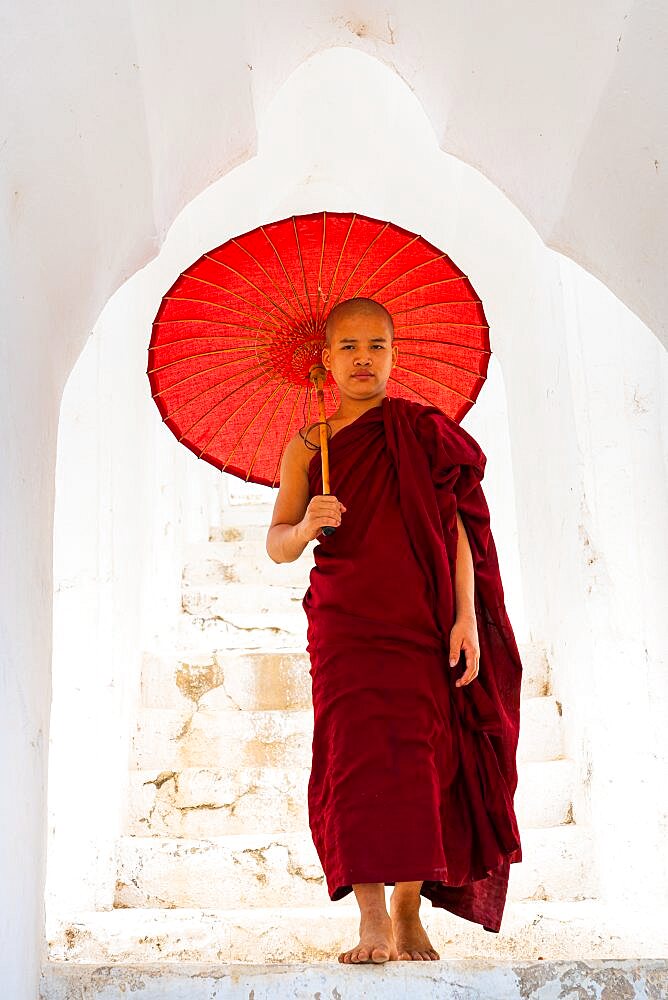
[413, 771]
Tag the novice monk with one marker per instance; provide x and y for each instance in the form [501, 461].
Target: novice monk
[413, 772]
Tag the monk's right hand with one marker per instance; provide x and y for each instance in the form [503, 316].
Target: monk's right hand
[321, 511]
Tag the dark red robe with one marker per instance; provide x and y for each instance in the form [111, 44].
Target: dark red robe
[412, 778]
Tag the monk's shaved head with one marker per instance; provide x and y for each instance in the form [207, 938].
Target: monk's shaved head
[356, 308]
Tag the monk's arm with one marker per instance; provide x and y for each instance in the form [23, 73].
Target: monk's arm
[464, 603]
[286, 538]
[298, 518]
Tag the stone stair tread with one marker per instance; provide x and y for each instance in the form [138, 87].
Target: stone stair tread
[166, 736]
[223, 799]
[485, 980]
[261, 869]
[530, 931]
[245, 640]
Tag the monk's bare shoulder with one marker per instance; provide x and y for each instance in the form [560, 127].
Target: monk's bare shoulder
[298, 452]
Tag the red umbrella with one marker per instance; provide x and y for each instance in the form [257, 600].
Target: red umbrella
[236, 343]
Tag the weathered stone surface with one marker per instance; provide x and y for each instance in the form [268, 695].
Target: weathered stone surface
[203, 734]
[283, 869]
[463, 979]
[197, 663]
[531, 931]
[230, 798]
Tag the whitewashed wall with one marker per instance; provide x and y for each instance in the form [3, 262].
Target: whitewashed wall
[569, 420]
[115, 116]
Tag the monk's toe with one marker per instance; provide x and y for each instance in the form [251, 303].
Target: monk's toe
[380, 954]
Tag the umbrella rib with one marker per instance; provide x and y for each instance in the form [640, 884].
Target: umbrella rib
[435, 381]
[322, 254]
[187, 378]
[193, 357]
[349, 278]
[212, 322]
[268, 276]
[431, 342]
[429, 305]
[222, 350]
[232, 413]
[393, 378]
[429, 284]
[234, 390]
[285, 434]
[301, 262]
[240, 274]
[441, 361]
[187, 340]
[268, 425]
[385, 262]
[438, 324]
[251, 422]
[423, 263]
[221, 305]
[280, 261]
[338, 264]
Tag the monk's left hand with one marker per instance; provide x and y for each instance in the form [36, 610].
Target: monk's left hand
[464, 635]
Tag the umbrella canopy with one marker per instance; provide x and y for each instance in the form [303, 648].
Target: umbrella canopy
[237, 336]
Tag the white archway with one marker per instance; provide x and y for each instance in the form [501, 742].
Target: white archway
[142, 108]
[543, 419]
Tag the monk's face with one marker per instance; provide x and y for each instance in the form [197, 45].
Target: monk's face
[361, 345]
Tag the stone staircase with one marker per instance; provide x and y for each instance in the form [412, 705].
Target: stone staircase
[217, 862]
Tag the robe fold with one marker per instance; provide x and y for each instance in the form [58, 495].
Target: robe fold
[412, 778]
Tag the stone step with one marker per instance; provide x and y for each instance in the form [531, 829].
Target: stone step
[284, 870]
[202, 735]
[247, 631]
[213, 802]
[244, 560]
[256, 679]
[490, 980]
[531, 931]
[262, 600]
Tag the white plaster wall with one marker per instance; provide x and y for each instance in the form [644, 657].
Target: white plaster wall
[114, 116]
[556, 419]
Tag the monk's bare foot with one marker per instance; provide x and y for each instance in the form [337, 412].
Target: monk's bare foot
[410, 936]
[376, 941]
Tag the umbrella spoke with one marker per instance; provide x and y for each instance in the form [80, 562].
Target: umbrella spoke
[422, 263]
[240, 274]
[385, 263]
[322, 254]
[254, 418]
[277, 287]
[203, 392]
[413, 326]
[202, 354]
[420, 288]
[219, 402]
[338, 265]
[222, 305]
[429, 379]
[266, 428]
[285, 272]
[288, 425]
[301, 263]
[416, 341]
[350, 276]
[439, 361]
[236, 410]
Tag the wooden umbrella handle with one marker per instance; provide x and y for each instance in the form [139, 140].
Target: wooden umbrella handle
[317, 374]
